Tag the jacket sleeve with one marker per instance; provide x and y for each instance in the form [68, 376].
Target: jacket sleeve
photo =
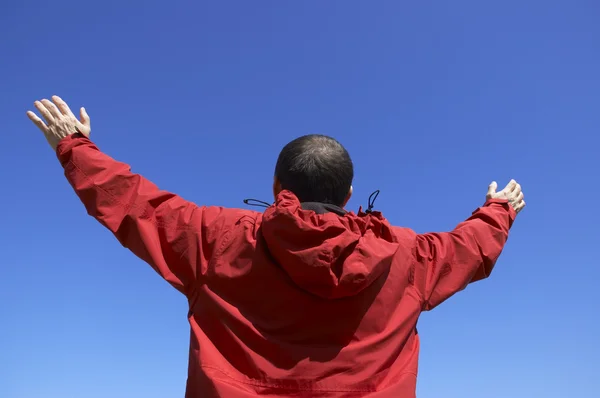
[447, 262]
[157, 226]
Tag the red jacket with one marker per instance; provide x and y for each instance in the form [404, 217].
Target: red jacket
[289, 302]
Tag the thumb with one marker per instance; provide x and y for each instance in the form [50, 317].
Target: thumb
[492, 188]
[84, 118]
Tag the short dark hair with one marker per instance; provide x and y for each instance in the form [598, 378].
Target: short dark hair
[316, 168]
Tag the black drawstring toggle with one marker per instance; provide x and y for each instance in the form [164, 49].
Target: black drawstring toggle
[372, 199]
[257, 203]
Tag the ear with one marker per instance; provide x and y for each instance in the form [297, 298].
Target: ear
[348, 196]
[276, 187]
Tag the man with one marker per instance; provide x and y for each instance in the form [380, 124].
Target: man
[303, 300]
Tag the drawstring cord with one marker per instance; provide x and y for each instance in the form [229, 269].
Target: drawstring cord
[262, 203]
[372, 199]
[257, 203]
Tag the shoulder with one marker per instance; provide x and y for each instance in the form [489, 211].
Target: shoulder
[223, 216]
[404, 234]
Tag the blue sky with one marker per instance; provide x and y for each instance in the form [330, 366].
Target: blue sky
[433, 101]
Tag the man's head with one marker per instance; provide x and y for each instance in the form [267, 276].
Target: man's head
[316, 168]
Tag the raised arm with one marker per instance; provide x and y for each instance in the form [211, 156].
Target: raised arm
[447, 262]
[159, 227]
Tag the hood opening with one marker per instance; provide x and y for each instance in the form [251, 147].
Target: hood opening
[322, 208]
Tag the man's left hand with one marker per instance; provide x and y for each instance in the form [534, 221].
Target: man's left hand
[60, 121]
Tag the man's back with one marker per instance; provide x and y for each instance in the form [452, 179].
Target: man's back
[315, 308]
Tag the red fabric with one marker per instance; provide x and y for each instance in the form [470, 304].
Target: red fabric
[289, 303]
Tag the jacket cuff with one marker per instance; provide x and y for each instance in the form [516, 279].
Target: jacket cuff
[504, 203]
[65, 146]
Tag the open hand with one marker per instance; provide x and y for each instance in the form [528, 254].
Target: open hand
[512, 192]
[60, 121]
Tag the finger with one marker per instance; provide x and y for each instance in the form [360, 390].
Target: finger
[492, 188]
[84, 118]
[52, 108]
[45, 113]
[520, 197]
[62, 106]
[520, 206]
[37, 121]
[510, 186]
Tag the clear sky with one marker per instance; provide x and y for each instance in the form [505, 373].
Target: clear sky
[433, 101]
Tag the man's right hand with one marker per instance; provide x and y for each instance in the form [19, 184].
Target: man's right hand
[512, 192]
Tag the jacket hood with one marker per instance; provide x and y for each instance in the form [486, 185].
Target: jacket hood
[325, 250]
